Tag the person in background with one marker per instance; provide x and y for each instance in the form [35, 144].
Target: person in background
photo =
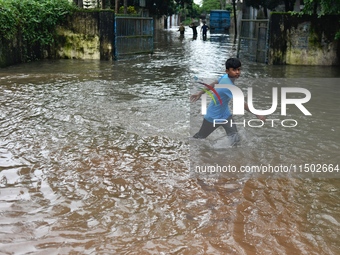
[181, 29]
[204, 30]
[193, 26]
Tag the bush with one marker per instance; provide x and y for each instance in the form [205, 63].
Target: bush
[130, 10]
[9, 20]
[36, 20]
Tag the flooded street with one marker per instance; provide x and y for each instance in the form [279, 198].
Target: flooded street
[95, 157]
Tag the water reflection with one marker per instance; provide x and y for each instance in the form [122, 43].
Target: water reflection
[94, 159]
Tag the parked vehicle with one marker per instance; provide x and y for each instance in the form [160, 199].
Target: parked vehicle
[219, 21]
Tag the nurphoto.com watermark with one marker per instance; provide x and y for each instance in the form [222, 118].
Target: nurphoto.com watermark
[316, 169]
[238, 105]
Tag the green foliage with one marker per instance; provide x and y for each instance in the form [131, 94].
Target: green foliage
[337, 36]
[9, 20]
[159, 8]
[229, 7]
[321, 7]
[130, 10]
[194, 11]
[271, 4]
[36, 20]
[187, 21]
[182, 3]
[208, 5]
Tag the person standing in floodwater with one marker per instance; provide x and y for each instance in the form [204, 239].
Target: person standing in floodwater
[204, 30]
[193, 26]
[181, 29]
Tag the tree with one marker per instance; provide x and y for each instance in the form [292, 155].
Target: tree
[116, 6]
[208, 5]
[223, 4]
[184, 3]
[161, 7]
[194, 11]
[289, 5]
[323, 7]
[271, 4]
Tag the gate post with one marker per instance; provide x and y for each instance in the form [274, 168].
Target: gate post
[107, 34]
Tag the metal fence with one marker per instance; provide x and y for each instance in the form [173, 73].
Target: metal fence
[133, 35]
[253, 40]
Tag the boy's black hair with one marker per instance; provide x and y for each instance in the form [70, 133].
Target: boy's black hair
[232, 63]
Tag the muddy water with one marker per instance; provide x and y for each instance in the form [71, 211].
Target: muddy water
[94, 159]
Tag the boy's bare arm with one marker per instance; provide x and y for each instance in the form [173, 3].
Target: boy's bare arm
[196, 96]
[261, 117]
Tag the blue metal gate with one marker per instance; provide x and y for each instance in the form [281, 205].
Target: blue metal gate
[133, 35]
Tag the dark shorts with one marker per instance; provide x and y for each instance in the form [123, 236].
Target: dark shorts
[208, 127]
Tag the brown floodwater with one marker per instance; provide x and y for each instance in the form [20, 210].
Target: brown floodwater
[95, 158]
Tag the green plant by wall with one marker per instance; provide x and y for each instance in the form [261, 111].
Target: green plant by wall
[35, 20]
[130, 10]
[337, 36]
[8, 20]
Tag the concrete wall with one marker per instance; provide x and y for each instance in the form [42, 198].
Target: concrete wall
[172, 21]
[159, 23]
[86, 35]
[303, 40]
[17, 51]
[9, 52]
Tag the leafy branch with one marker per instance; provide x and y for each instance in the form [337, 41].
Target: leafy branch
[35, 20]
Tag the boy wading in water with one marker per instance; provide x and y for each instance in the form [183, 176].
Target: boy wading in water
[181, 29]
[217, 111]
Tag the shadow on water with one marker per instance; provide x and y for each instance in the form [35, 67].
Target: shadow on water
[94, 159]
